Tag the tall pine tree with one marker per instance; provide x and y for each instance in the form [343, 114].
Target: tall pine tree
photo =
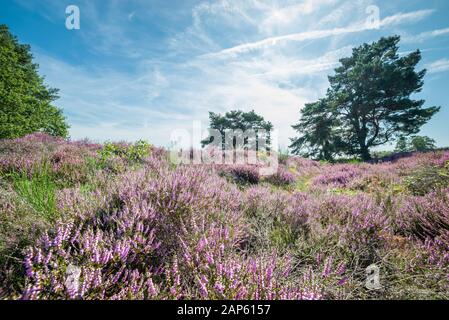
[369, 102]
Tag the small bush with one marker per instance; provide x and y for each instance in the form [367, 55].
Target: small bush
[242, 174]
[427, 179]
[281, 178]
[20, 226]
[132, 154]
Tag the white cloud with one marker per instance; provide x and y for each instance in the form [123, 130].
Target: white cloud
[421, 37]
[438, 66]
[406, 17]
[278, 17]
[272, 41]
[319, 34]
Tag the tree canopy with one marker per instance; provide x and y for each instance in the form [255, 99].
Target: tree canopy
[25, 101]
[368, 104]
[238, 120]
[415, 143]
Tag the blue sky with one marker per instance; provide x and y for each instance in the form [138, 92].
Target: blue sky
[143, 68]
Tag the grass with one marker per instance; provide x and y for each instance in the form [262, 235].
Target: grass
[303, 183]
[38, 190]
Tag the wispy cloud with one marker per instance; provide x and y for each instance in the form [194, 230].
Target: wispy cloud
[423, 36]
[438, 66]
[406, 17]
[278, 17]
[319, 34]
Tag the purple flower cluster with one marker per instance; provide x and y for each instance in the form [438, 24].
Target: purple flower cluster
[65, 158]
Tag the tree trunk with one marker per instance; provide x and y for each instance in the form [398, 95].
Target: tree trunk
[366, 156]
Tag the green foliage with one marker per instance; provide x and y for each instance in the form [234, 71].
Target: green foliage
[283, 156]
[25, 101]
[381, 154]
[427, 179]
[238, 120]
[402, 145]
[419, 143]
[318, 127]
[38, 191]
[138, 151]
[415, 143]
[367, 105]
[133, 154]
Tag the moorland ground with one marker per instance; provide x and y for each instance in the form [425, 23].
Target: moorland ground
[80, 220]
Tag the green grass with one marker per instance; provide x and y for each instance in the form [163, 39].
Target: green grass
[303, 183]
[38, 191]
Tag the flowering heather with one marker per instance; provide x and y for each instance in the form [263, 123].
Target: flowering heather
[67, 159]
[282, 177]
[424, 216]
[149, 229]
[357, 222]
[241, 173]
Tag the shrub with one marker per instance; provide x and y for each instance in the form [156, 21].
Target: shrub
[282, 177]
[242, 174]
[424, 216]
[128, 233]
[356, 222]
[67, 160]
[133, 154]
[20, 226]
[427, 179]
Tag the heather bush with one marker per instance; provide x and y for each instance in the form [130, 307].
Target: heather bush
[427, 179]
[24, 154]
[425, 219]
[242, 174]
[357, 224]
[436, 251]
[303, 167]
[106, 253]
[424, 216]
[275, 219]
[338, 176]
[282, 177]
[71, 164]
[20, 226]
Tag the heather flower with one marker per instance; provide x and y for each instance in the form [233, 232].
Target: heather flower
[282, 177]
